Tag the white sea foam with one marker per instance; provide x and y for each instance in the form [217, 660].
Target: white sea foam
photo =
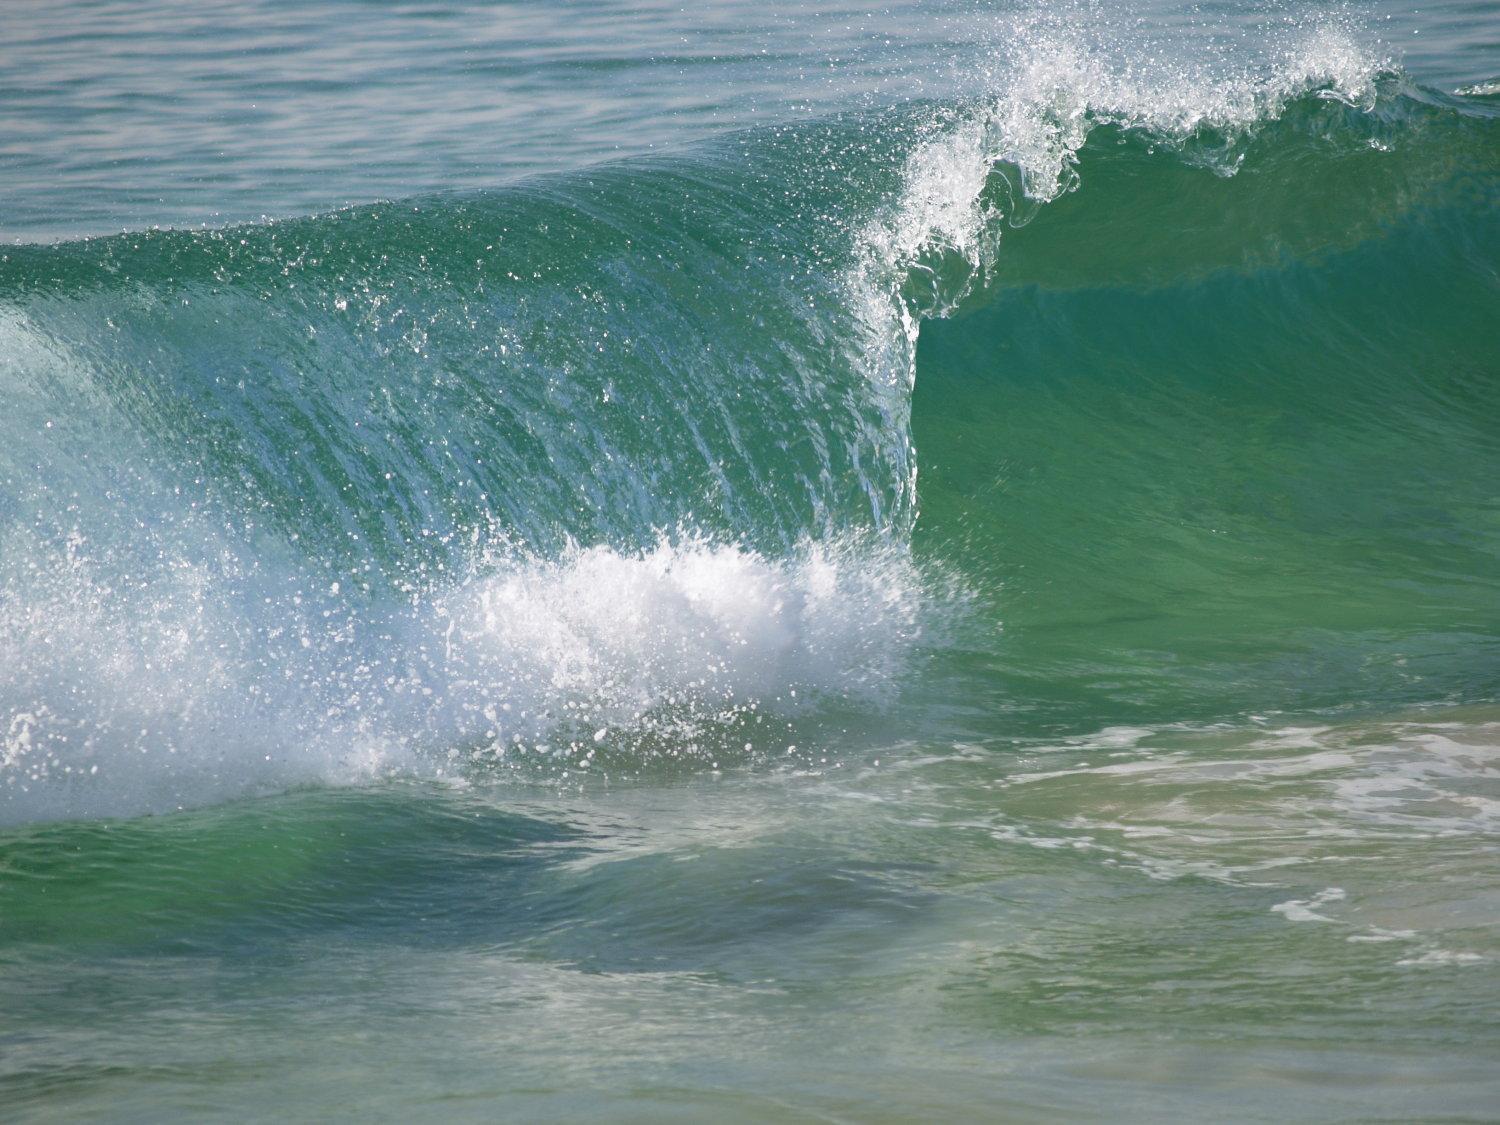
[1442, 958]
[126, 689]
[683, 625]
[1308, 909]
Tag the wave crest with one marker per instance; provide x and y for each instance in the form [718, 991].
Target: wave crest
[1051, 88]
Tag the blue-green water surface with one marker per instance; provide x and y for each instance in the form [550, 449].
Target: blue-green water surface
[779, 562]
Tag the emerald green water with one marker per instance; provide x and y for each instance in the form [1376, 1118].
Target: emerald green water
[933, 564]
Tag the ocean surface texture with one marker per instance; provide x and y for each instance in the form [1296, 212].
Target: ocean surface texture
[754, 561]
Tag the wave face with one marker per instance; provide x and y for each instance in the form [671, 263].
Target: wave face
[622, 461]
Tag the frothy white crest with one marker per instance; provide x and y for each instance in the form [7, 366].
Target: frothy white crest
[186, 683]
[146, 680]
[682, 625]
[1050, 89]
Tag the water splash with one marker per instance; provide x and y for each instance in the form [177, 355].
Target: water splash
[200, 680]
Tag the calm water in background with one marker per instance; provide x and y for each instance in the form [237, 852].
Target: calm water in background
[772, 562]
[124, 115]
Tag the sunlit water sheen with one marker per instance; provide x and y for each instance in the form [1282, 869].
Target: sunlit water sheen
[782, 562]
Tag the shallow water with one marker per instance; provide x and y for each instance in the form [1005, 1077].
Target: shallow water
[788, 563]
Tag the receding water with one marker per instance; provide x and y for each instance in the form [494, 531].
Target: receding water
[773, 562]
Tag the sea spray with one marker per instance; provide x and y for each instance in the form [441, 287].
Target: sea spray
[206, 681]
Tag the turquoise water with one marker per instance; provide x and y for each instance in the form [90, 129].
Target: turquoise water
[789, 562]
